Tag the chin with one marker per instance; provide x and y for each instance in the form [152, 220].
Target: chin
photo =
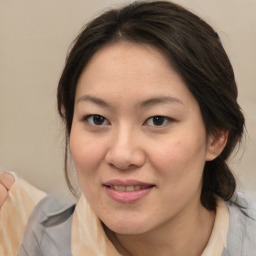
[127, 228]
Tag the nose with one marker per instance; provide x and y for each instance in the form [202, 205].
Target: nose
[124, 151]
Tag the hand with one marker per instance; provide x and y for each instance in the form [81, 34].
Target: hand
[6, 181]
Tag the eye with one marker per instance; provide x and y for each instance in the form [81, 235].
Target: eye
[158, 121]
[96, 120]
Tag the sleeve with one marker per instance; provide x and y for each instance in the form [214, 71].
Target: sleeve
[48, 230]
[33, 234]
[14, 214]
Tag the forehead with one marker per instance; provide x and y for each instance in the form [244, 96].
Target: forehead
[127, 70]
[127, 58]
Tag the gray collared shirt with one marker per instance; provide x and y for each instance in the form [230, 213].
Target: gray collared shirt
[48, 232]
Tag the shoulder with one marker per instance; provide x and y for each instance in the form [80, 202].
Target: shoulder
[241, 239]
[48, 231]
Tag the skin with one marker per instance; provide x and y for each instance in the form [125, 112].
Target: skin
[128, 145]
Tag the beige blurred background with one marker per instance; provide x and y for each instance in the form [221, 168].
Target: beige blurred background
[34, 38]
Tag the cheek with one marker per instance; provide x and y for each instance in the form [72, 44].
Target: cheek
[86, 153]
[180, 161]
[180, 174]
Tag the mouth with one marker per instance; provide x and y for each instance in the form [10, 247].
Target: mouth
[128, 188]
[127, 191]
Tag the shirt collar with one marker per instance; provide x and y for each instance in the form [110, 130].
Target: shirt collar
[89, 238]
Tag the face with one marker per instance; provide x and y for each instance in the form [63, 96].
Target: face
[137, 139]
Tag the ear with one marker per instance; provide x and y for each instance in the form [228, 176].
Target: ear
[216, 144]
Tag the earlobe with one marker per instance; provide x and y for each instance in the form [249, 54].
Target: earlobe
[216, 144]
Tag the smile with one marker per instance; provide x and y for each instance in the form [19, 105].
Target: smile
[128, 188]
[127, 191]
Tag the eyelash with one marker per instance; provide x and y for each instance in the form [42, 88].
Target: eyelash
[165, 119]
[90, 119]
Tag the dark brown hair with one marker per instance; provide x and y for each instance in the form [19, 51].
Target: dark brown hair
[193, 49]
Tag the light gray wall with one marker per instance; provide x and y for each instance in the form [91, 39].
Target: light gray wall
[34, 38]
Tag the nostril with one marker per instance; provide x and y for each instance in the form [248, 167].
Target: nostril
[122, 166]
[125, 159]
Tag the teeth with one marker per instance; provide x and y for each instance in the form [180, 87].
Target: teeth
[137, 188]
[128, 188]
[121, 188]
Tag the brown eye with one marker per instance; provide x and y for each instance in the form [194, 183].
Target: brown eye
[96, 120]
[157, 121]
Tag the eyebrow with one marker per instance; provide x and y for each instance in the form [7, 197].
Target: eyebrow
[144, 104]
[95, 100]
[157, 100]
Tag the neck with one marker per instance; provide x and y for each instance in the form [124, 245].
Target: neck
[184, 235]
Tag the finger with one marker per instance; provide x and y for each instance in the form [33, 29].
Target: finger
[3, 194]
[6, 179]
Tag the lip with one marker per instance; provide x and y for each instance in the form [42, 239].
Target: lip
[127, 196]
[117, 182]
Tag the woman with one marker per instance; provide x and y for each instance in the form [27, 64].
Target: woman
[148, 97]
